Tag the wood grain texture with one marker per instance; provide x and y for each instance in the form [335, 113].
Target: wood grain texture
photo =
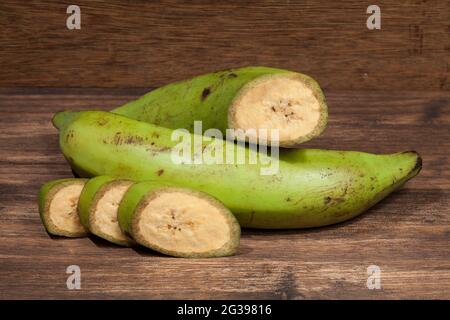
[150, 43]
[407, 235]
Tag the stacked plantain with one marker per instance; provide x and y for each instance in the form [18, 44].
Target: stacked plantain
[138, 193]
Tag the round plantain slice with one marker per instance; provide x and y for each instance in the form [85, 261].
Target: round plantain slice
[98, 205]
[178, 222]
[291, 104]
[58, 201]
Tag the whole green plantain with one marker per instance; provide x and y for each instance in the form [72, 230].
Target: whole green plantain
[311, 188]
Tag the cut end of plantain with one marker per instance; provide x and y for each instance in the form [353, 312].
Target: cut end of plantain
[185, 223]
[103, 212]
[58, 207]
[293, 104]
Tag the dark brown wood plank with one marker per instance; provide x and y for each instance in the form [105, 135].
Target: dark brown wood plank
[407, 235]
[151, 43]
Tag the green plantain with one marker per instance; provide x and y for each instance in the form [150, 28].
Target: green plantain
[311, 187]
[247, 98]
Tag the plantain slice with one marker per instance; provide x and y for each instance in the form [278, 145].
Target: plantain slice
[288, 103]
[178, 222]
[98, 205]
[58, 200]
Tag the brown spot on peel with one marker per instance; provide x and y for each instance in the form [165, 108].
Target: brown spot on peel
[69, 135]
[134, 140]
[205, 93]
[102, 121]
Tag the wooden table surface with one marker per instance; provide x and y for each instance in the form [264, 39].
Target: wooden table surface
[407, 235]
[387, 89]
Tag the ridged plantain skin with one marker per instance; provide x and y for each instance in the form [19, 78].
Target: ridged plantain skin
[312, 187]
[210, 98]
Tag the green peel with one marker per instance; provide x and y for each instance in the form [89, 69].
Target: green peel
[311, 188]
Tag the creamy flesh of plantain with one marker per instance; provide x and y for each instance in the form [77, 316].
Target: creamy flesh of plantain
[63, 209]
[177, 221]
[104, 216]
[279, 102]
